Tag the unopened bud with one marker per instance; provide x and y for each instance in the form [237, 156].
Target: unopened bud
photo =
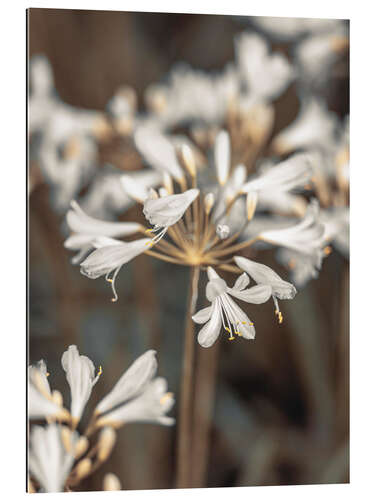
[83, 468]
[251, 203]
[168, 183]
[189, 160]
[66, 438]
[111, 482]
[107, 439]
[81, 446]
[222, 230]
[209, 200]
[57, 398]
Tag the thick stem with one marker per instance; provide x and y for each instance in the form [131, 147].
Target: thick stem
[184, 438]
[203, 411]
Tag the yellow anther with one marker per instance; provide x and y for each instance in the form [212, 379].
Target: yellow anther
[238, 333]
[100, 370]
[251, 324]
[149, 243]
[327, 250]
[149, 230]
[166, 397]
[47, 374]
[110, 280]
[231, 338]
[113, 299]
[280, 318]
[244, 322]
[227, 329]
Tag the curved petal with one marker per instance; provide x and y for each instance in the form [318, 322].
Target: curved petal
[210, 332]
[203, 315]
[257, 294]
[241, 282]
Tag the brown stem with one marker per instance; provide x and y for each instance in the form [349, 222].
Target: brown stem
[203, 410]
[184, 437]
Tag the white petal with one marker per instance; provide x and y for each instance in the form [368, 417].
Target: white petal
[203, 315]
[133, 381]
[255, 295]
[105, 259]
[241, 282]
[79, 222]
[80, 374]
[210, 332]
[158, 151]
[166, 211]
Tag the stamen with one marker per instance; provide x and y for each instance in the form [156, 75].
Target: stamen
[166, 397]
[112, 281]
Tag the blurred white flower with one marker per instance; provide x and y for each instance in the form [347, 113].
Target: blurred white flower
[265, 74]
[158, 151]
[41, 402]
[316, 55]
[49, 461]
[165, 211]
[80, 374]
[264, 275]
[225, 312]
[314, 126]
[287, 175]
[192, 96]
[306, 237]
[104, 260]
[290, 28]
[86, 229]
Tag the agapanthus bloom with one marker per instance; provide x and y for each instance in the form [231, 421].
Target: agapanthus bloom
[165, 211]
[264, 275]
[110, 258]
[224, 312]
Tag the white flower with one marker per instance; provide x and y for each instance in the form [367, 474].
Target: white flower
[264, 275]
[316, 55]
[289, 28]
[306, 237]
[80, 374]
[40, 399]
[302, 267]
[225, 312]
[287, 175]
[49, 461]
[104, 260]
[132, 382]
[266, 75]
[86, 229]
[314, 126]
[150, 405]
[192, 96]
[167, 210]
[157, 150]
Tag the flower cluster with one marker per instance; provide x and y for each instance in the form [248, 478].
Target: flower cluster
[59, 457]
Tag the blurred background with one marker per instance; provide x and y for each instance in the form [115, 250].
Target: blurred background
[281, 410]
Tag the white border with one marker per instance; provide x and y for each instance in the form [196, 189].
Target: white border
[362, 230]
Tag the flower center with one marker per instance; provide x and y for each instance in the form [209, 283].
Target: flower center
[215, 288]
